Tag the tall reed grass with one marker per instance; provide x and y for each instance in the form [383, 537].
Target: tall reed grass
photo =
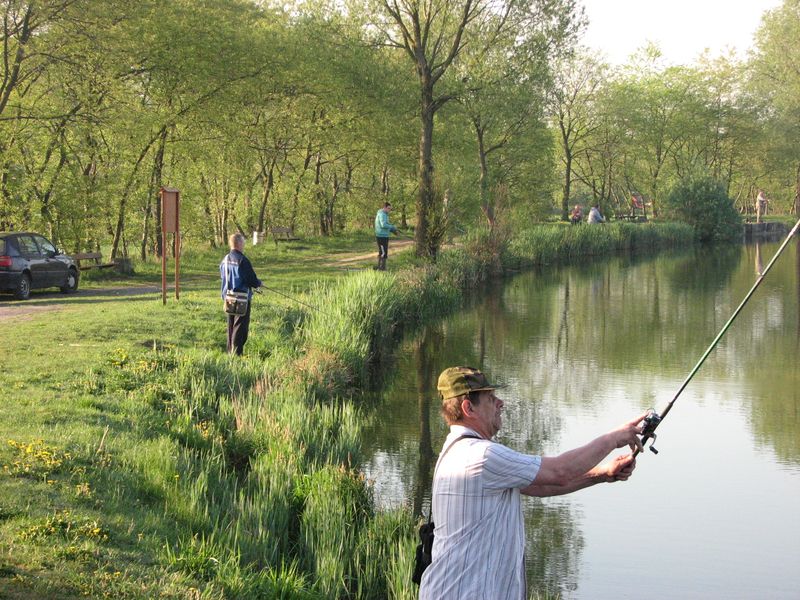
[550, 244]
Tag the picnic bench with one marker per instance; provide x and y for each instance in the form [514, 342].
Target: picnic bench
[91, 260]
[282, 234]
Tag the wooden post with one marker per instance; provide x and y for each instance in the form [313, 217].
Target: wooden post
[163, 252]
[170, 223]
[177, 236]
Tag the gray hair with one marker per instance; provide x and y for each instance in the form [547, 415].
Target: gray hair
[235, 239]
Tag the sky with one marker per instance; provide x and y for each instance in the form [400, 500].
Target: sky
[681, 28]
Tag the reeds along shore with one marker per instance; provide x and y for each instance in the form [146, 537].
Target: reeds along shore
[253, 463]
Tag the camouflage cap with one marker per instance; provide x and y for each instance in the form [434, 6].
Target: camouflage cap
[457, 381]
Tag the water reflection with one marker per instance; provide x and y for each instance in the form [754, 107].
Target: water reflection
[705, 269]
[425, 381]
[759, 262]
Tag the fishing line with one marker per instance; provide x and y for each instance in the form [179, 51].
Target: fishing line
[293, 299]
[653, 419]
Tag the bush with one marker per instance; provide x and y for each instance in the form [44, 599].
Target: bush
[703, 203]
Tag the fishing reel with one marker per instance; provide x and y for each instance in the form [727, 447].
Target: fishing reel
[651, 421]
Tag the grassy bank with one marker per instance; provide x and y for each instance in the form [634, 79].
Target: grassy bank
[140, 461]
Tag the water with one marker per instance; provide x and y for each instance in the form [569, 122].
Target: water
[714, 515]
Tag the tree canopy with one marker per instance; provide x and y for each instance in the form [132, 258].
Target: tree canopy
[310, 114]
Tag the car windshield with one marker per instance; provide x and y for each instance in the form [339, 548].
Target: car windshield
[45, 246]
[2, 247]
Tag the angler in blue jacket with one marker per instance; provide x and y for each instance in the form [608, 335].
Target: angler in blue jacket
[237, 274]
[382, 230]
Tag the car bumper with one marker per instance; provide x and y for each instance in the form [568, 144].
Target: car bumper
[9, 281]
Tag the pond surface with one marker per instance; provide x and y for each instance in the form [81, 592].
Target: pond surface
[582, 349]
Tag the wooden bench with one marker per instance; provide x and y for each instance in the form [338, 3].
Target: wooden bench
[282, 234]
[91, 260]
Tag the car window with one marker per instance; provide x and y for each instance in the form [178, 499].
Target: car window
[45, 246]
[27, 246]
[2, 247]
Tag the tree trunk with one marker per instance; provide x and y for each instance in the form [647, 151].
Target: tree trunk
[123, 201]
[298, 186]
[487, 207]
[12, 76]
[796, 207]
[268, 182]
[155, 186]
[385, 182]
[425, 195]
[148, 213]
[567, 185]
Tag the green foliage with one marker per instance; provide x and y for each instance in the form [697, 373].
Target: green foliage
[702, 203]
[198, 557]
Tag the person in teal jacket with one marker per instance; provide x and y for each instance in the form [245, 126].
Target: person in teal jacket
[382, 230]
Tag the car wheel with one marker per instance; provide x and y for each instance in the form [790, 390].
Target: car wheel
[23, 291]
[71, 284]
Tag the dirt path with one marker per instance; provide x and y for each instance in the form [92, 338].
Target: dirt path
[52, 300]
[349, 259]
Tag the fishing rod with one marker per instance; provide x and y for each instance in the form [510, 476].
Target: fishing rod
[291, 298]
[404, 236]
[653, 419]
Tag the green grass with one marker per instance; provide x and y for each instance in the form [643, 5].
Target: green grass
[137, 460]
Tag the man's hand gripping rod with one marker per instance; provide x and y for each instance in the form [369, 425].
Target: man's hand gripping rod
[653, 419]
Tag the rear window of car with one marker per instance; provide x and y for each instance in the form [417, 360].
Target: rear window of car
[27, 246]
[2, 247]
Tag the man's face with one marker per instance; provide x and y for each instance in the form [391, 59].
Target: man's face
[489, 411]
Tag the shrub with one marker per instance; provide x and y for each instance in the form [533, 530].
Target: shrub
[703, 203]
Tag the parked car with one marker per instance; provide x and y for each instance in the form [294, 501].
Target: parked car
[28, 261]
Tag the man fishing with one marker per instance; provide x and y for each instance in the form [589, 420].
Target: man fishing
[237, 274]
[478, 550]
[382, 230]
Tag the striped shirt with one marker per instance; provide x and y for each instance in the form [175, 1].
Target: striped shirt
[478, 551]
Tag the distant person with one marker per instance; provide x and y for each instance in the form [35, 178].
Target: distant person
[382, 230]
[595, 216]
[761, 205]
[576, 216]
[237, 275]
[479, 545]
[636, 204]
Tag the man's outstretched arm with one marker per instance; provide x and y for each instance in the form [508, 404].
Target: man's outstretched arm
[578, 468]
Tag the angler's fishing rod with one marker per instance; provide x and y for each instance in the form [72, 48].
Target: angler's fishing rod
[292, 298]
[653, 419]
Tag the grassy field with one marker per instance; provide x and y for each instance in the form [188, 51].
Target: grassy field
[139, 460]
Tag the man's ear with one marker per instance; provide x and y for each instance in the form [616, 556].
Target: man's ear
[466, 407]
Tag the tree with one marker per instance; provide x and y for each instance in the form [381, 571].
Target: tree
[433, 34]
[776, 78]
[701, 201]
[571, 102]
[506, 85]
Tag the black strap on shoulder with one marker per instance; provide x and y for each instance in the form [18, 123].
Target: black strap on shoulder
[439, 460]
